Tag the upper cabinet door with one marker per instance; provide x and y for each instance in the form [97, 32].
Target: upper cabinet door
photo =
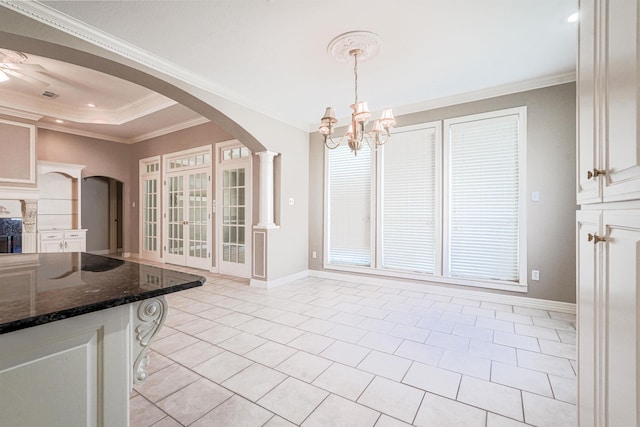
[588, 156]
[608, 160]
[620, 142]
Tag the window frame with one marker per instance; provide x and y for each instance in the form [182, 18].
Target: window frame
[437, 126]
[327, 216]
[521, 112]
[442, 188]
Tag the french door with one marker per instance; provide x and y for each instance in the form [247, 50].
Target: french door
[234, 211]
[187, 214]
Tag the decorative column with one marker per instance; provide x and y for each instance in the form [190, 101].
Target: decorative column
[265, 200]
[29, 233]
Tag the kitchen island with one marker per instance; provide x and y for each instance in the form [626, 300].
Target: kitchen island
[74, 332]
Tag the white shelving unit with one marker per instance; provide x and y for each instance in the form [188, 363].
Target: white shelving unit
[59, 214]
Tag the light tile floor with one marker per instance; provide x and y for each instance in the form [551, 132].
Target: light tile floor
[327, 353]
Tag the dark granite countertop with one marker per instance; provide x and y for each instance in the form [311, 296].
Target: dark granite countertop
[42, 288]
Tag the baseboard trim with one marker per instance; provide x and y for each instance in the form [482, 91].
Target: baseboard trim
[521, 301]
[270, 284]
[100, 252]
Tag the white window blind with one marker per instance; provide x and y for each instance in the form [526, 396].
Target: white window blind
[409, 201]
[349, 184]
[483, 195]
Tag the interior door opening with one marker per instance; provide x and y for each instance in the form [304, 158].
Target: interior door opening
[102, 213]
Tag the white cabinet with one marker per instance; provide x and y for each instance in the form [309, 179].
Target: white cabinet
[73, 372]
[63, 241]
[608, 103]
[608, 226]
[608, 317]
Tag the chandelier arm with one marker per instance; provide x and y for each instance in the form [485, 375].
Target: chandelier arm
[333, 145]
[376, 141]
[372, 143]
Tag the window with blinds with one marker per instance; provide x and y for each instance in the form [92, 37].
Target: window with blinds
[483, 197]
[410, 200]
[349, 184]
[447, 197]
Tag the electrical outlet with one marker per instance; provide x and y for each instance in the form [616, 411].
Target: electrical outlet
[314, 254]
[535, 275]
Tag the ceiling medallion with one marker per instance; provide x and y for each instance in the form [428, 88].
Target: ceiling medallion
[367, 42]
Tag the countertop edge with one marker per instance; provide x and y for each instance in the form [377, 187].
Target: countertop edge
[42, 319]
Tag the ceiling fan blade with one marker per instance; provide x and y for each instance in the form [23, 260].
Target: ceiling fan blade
[22, 77]
[24, 67]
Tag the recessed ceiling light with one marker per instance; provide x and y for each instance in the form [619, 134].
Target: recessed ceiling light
[91, 105]
[59, 121]
[573, 18]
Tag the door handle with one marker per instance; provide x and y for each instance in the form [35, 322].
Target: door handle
[595, 238]
[595, 173]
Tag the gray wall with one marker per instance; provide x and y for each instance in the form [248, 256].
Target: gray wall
[95, 212]
[100, 157]
[550, 170]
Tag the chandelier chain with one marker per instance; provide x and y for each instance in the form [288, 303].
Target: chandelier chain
[355, 72]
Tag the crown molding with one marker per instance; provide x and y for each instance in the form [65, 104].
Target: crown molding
[51, 17]
[152, 103]
[78, 132]
[157, 133]
[492, 92]
[8, 111]
[478, 95]
[44, 107]
[170, 129]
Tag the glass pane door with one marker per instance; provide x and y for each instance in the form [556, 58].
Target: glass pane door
[198, 216]
[233, 216]
[150, 215]
[175, 215]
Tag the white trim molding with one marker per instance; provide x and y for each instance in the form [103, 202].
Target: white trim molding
[269, 284]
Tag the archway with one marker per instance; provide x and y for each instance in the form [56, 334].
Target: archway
[118, 66]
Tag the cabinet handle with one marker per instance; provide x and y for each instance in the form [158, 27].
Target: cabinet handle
[595, 173]
[61, 247]
[595, 238]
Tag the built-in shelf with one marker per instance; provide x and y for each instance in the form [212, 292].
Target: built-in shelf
[59, 207]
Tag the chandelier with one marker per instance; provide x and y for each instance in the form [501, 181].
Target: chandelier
[359, 45]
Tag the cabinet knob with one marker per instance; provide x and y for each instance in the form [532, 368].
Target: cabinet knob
[595, 173]
[595, 238]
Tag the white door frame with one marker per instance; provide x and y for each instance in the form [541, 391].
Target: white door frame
[244, 160]
[184, 163]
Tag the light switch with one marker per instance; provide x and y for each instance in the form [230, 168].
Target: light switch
[535, 196]
[290, 201]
